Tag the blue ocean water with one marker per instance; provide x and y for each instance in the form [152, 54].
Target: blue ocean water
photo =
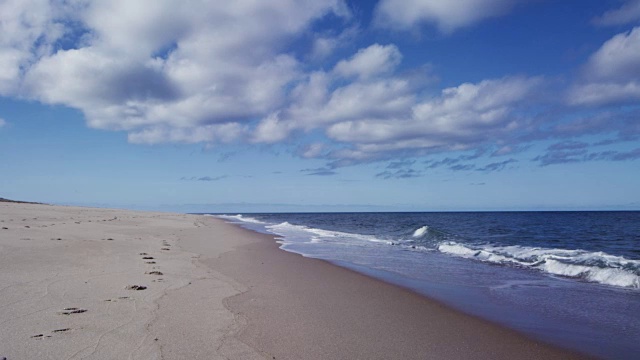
[569, 278]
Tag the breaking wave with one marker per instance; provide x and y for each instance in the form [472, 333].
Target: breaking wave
[317, 235]
[591, 266]
[420, 231]
[241, 218]
[596, 267]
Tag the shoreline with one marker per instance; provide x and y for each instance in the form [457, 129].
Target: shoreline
[353, 315]
[213, 290]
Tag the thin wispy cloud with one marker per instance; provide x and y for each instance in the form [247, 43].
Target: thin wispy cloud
[627, 13]
[555, 157]
[497, 166]
[400, 174]
[204, 178]
[320, 172]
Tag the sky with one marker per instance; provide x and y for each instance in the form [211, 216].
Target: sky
[311, 105]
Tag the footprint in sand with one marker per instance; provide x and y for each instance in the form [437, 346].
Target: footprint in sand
[147, 258]
[136, 287]
[154, 273]
[143, 254]
[149, 262]
[165, 249]
[71, 310]
[42, 336]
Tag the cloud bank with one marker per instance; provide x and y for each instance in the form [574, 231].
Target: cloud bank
[168, 71]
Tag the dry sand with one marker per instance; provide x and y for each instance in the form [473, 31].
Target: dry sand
[54, 258]
[223, 293]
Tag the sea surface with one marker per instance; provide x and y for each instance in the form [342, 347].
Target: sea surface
[568, 278]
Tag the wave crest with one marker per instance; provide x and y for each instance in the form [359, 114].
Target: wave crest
[597, 267]
[420, 231]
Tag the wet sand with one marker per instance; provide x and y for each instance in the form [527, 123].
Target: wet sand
[302, 308]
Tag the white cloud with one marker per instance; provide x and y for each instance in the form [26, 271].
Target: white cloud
[2, 122]
[629, 12]
[271, 129]
[217, 72]
[617, 59]
[374, 60]
[460, 118]
[448, 16]
[163, 70]
[612, 74]
[324, 45]
[604, 93]
[28, 28]
[313, 150]
[217, 133]
[324, 98]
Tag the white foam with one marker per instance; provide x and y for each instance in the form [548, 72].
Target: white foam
[597, 267]
[421, 231]
[319, 235]
[240, 218]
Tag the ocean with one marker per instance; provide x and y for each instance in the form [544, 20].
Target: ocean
[568, 278]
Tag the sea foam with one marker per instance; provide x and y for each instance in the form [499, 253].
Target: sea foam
[420, 231]
[240, 218]
[580, 264]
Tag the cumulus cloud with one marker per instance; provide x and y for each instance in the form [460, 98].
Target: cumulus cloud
[313, 150]
[326, 44]
[216, 73]
[374, 60]
[629, 12]
[612, 73]
[362, 86]
[448, 16]
[161, 70]
[459, 118]
[223, 133]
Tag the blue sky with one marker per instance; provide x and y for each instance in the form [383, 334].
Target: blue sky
[400, 105]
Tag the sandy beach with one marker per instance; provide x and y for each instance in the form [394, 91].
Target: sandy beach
[82, 283]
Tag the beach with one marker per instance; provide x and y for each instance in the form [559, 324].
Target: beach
[84, 283]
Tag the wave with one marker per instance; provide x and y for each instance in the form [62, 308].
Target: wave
[319, 235]
[420, 231]
[241, 218]
[596, 267]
